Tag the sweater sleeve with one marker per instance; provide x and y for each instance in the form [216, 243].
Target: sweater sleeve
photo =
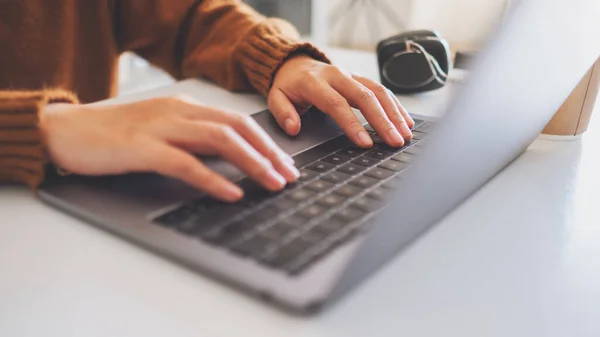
[223, 40]
[22, 153]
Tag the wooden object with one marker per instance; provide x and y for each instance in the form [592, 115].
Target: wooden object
[573, 117]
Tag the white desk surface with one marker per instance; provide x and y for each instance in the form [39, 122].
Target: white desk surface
[520, 258]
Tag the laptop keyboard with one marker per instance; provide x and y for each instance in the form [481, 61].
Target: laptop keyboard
[290, 230]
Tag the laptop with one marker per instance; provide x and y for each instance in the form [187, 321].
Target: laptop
[354, 209]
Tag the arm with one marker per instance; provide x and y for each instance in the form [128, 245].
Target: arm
[228, 42]
[22, 155]
[223, 40]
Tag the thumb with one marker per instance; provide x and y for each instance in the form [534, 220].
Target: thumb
[284, 112]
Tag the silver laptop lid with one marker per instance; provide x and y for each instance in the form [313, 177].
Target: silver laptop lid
[529, 68]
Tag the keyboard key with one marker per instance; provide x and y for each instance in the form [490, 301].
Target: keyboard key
[365, 161]
[351, 169]
[351, 151]
[330, 225]
[379, 154]
[300, 195]
[229, 233]
[331, 200]
[266, 213]
[336, 159]
[306, 175]
[376, 139]
[419, 135]
[387, 148]
[284, 203]
[347, 191]
[292, 222]
[364, 182]
[380, 173]
[393, 165]
[313, 236]
[368, 204]
[254, 246]
[350, 213]
[320, 167]
[254, 194]
[282, 256]
[173, 218]
[335, 177]
[277, 231]
[318, 185]
[404, 157]
[379, 193]
[414, 150]
[390, 184]
[425, 127]
[311, 211]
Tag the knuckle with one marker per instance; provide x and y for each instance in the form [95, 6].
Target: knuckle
[182, 168]
[242, 121]
[365, 95]
[381, 90]
[336, 71]
[336, 102]
[224, 133]
[397, 118]
[354, 124]
[308, 77]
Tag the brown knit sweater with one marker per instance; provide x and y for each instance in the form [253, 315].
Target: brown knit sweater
[67, 51]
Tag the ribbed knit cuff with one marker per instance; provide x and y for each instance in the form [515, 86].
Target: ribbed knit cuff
[22, 153]
[266, 48]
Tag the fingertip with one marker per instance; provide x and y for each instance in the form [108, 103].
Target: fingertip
[231, 192]
[291, 127]
[364, 140]
[274, 181]
[289, 172]
[395, 138]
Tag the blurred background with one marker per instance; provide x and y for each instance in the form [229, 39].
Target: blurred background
[355, 24]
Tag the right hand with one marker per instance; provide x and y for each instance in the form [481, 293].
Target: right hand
[159, 135]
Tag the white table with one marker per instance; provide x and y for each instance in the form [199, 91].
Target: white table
[520, 258]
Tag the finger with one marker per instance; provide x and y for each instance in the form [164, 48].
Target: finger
[223, 140]
[284, 112]
[172, 162]
[328, 100]
[249, 129]
[389, 105]
[369, 105]
[407, 117]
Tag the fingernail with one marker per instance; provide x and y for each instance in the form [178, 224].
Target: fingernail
[364, 139]
[275, 181]
[232, 192]
[286, 157]
[406, 132]
[395, 137]
[291, 172]
[289, 126]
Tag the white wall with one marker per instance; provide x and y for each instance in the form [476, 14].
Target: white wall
[465, 23]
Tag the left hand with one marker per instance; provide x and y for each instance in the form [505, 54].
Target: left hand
[302, 82]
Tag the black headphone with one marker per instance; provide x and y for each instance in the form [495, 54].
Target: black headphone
[414, 61]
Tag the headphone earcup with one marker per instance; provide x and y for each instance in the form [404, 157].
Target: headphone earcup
[408, 71]
[406, 36]
[440, 50]
[414, 62]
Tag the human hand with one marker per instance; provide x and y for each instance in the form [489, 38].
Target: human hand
[159, 135]
[302, 82]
